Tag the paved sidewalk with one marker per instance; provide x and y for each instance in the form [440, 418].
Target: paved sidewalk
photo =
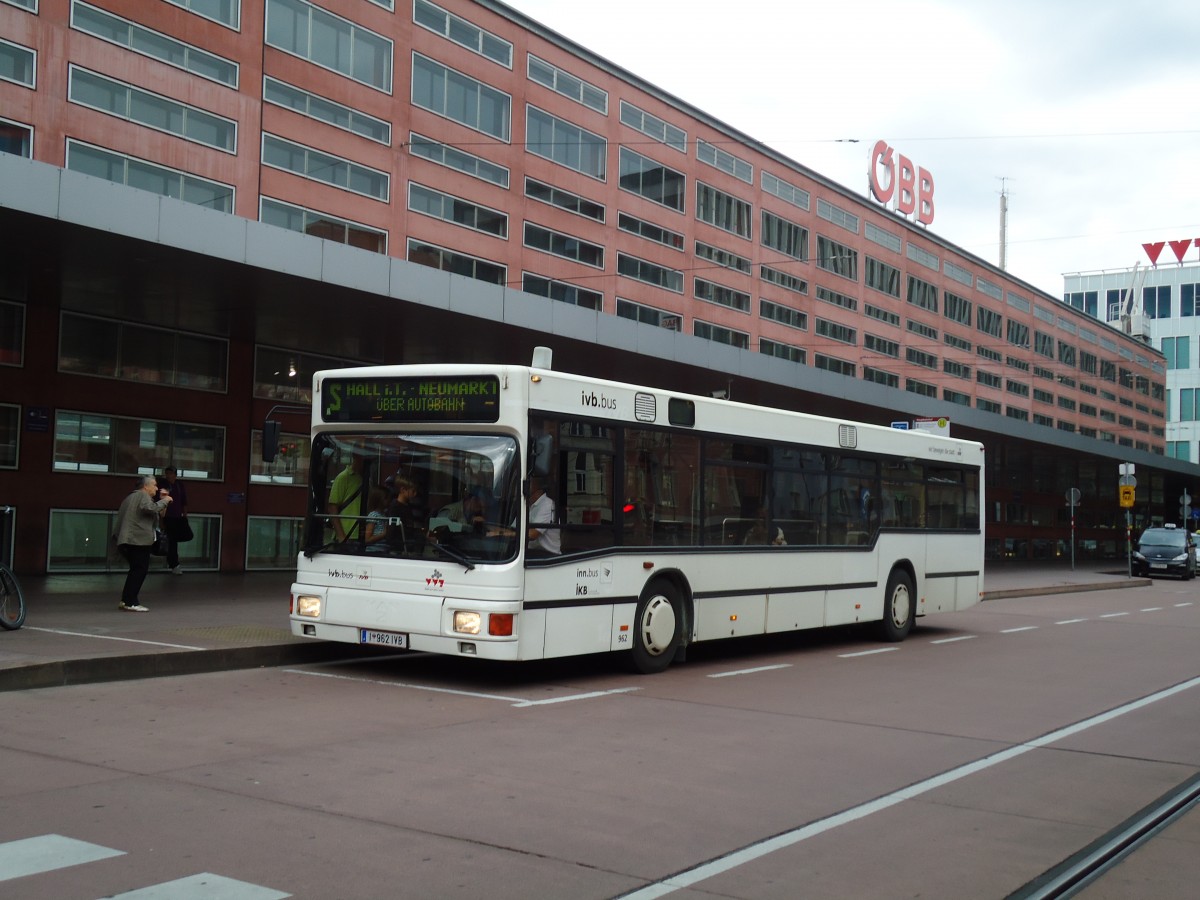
[205, 622]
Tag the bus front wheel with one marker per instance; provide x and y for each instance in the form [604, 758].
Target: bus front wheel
[657, 628]
[899, 607]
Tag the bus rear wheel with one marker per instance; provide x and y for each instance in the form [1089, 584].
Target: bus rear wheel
[899, 607]
[657, 628]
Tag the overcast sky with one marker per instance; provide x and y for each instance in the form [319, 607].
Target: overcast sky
[1090, 109]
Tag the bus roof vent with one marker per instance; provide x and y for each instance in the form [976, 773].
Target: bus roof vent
[644, 407]
[543, 358]
[847, 436]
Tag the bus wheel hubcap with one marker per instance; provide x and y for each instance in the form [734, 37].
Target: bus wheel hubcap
[658, 625]
[900, 605]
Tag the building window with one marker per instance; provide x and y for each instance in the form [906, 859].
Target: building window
[882, 237]
[1018, 334]
[153, 44]
[459, 160]
[924, 257]
[151, 110]
[272, 543]
[643, 176]
[957, 309]
[1015, 412]
[1083, 300]
[290, 466]
[116, 445]
[921, 358]
[567, 144]
[281, 374]
[16, 139]
[922, 294]
[723, 210]
[877, 344]
[565, 245]
[581, 206]
[714, 156]
[711, 292]
[1179, 450]
[883, 315]
[456, 211]
[12, 334]
[562, 291]
[913, 386]
[835, 365]
[882, 277]
[785, 315]
[10, 435]
[987, 321]
[79, 541]
[783, 351]
[787, 237]
[653, 127]
[563, 82]
[317, 224]
[879, 376]
[956, 397]
[317, 165]
[836, 258]
[301, 29]
[725, 258]
[31, 5]
[146, 176]
[785, 191]
[953, 340]
[464, 33]
[836, 332]
[226, 12]
[650, 231]
[837, 215]
[958, 273]
[1177, 351]
[650, 273]
[988, 379]
[107, 348]
[324, 110]
[456, 263]
[17, 64]
[833, 297]
[1016, 387]
[1066, 354]
[648, 315]
[721, 335]
[1187, 297]
[1043, 344]
[460, 98]
[783, 279]
[956, 369]
[1156, 301]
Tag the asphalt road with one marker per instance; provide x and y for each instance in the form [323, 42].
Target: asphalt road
[965, 762]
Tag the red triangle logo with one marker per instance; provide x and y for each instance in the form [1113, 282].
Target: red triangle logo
[1152, 251]
[1180, 248]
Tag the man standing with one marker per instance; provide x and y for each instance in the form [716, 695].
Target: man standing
[134, 533]
[543, 538]
[346, 500]
[175, 522]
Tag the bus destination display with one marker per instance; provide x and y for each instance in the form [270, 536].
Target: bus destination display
[424, 399]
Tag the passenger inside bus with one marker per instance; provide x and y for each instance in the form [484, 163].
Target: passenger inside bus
[404, 531]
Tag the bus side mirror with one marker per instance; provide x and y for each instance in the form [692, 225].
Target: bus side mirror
[542, 453]
[270, 440]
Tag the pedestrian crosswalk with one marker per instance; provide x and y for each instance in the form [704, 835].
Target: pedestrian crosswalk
[33, 856]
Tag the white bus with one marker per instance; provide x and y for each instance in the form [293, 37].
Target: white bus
[672, 518]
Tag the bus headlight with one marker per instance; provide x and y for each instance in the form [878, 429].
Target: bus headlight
[308, 605]
[467, 622]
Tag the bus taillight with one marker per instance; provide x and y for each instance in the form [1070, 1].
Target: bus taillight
[500, 624]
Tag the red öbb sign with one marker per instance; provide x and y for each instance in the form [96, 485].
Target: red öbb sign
[893, 178]
[1179, 248]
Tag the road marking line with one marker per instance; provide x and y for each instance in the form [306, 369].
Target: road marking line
[204, 886]
[867, 652]
[1022, 628]
[1189, 603]
[1113, 615]
[515, 701]
[1152, 609]
[109, 637]
[749, 671]
[47, 852]
[750, 853]
[965, 637]
[1070, 621]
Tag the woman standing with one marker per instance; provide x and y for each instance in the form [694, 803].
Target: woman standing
[136, 520]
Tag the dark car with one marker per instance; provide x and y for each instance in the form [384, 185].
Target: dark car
[1165, 551]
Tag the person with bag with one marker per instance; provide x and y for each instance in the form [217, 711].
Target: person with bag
[175, 522]
[136, 534]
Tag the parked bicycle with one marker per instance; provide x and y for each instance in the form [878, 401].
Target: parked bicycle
[12, 601]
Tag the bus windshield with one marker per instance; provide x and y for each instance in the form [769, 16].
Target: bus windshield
[389, 495]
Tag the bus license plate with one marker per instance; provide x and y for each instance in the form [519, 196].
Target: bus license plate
[385, 638]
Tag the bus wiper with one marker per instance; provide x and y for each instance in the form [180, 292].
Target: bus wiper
[454, 555]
